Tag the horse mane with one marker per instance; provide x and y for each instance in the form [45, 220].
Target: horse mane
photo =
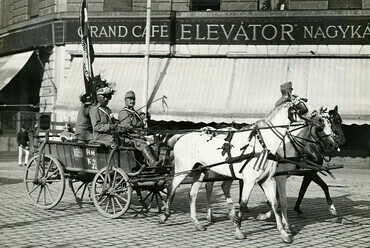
[273, 112]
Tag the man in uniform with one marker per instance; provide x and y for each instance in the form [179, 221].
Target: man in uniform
[286, 91]
[102, 120]
[84, 130]
[129, 120]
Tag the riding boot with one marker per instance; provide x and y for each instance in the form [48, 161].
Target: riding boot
[152, 162]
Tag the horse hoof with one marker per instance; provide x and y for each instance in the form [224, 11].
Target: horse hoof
[200, 227]
[261, 217]
[287, 239]
[210, 218]
[332, 210]
[162, 219]
[239, 235]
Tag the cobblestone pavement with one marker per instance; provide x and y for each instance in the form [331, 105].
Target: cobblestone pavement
[68, 225]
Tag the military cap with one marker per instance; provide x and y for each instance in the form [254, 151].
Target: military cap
[286, 86]
[130, 94]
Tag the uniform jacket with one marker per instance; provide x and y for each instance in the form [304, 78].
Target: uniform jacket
[129, 118]
[83, 123]
[101, 118]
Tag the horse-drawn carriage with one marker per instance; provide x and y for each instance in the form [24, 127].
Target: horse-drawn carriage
[110, 174]
[105, 175]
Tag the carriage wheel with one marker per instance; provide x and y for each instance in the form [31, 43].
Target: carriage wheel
[155, 197]
[46, 189]
[81, 191]
[115, 199]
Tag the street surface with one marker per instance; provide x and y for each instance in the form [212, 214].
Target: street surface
[68, 225]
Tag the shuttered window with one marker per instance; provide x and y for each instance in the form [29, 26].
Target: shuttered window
[203, 5]
[345, 4]
[117, 5]
[33, 8]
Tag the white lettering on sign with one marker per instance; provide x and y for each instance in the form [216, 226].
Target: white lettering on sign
[187, 31]
[77, 152]
[90, 152]
[92, 162]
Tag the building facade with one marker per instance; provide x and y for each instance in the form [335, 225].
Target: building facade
[215, 60]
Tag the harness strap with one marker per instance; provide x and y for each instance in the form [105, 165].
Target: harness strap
[274, 130]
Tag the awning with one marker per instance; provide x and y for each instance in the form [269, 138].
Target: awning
[11, 65]
[228, 89]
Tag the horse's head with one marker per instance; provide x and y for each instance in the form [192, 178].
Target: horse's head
[321, 131]
[336, 125]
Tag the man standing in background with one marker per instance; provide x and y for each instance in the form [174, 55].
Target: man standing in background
[23, 142]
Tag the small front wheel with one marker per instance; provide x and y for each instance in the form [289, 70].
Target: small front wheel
[114, 199]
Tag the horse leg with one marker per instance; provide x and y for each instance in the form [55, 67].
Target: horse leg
[317, 179]
[197, 182]
[209, 190]
[172, 189]
[226, 187]
[282, 199]
[305, 183]
[266, 215]
[269, 187]
[248, 184]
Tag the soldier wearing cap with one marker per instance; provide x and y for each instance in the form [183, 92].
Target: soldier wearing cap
[102, 119]
[130, 119]
[84, 129]
[286, 91]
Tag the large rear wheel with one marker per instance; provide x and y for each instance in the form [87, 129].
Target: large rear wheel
[44, 181]
[114, 199]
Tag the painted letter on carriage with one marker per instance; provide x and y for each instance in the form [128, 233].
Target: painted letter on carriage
[91, 159]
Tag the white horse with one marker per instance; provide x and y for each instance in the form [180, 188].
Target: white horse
[315, 129]
[195, 150]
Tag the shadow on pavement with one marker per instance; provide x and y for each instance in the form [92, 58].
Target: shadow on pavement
[5, 180]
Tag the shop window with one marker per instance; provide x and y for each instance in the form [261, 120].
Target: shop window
[345, 4]
[33, 8]
[204, 5]
[9, 122]
[117, 5]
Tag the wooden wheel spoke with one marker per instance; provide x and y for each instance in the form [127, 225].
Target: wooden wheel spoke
[123, 179]
[33, 189]
[120, 197]
[38, 197]
[114, 179]
[51, 196]
[107, 206]
[113, 207]
[160, 196]
[49, 166]
[45, 196]
[100, 202]
[119, 204]
[52, 174]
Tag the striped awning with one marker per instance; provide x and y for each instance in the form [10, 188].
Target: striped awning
[228, 89]
[10, 65]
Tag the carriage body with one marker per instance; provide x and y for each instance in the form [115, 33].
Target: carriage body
[88, 168]
[89, 158]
